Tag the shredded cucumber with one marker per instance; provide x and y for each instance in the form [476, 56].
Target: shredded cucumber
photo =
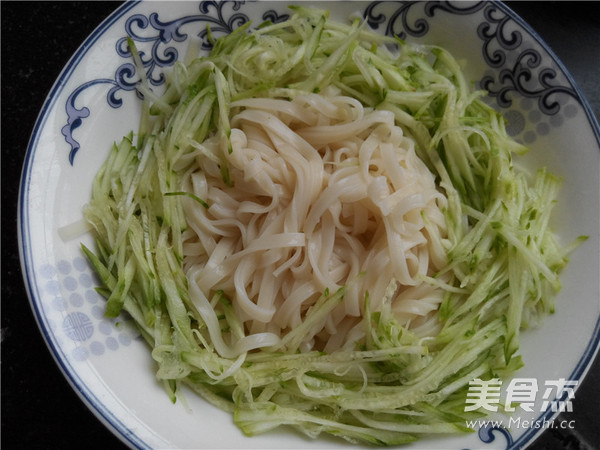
[395, 387]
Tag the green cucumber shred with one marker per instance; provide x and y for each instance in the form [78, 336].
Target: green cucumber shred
[394, 387]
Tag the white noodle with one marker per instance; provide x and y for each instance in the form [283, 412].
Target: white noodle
[325, 194]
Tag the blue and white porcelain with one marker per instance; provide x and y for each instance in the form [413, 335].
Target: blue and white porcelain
[94, 103]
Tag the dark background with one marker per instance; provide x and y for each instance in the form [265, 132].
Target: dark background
[39, 408]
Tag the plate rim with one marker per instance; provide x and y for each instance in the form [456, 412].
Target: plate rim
[83, 391]
[592, 349]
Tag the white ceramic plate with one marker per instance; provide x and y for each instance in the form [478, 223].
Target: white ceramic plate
[93, 103]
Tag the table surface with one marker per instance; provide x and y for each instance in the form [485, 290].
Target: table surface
[39, 408]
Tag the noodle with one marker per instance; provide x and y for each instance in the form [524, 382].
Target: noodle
[325, 194]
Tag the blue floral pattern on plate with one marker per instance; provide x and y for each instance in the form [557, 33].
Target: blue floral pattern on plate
[220, 17]
[519, 70]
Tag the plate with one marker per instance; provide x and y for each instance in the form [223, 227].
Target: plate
[94, 103]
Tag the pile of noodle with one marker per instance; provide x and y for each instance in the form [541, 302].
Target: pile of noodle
[324, 193]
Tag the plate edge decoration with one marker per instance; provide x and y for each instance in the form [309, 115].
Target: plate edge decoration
[221, 17]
